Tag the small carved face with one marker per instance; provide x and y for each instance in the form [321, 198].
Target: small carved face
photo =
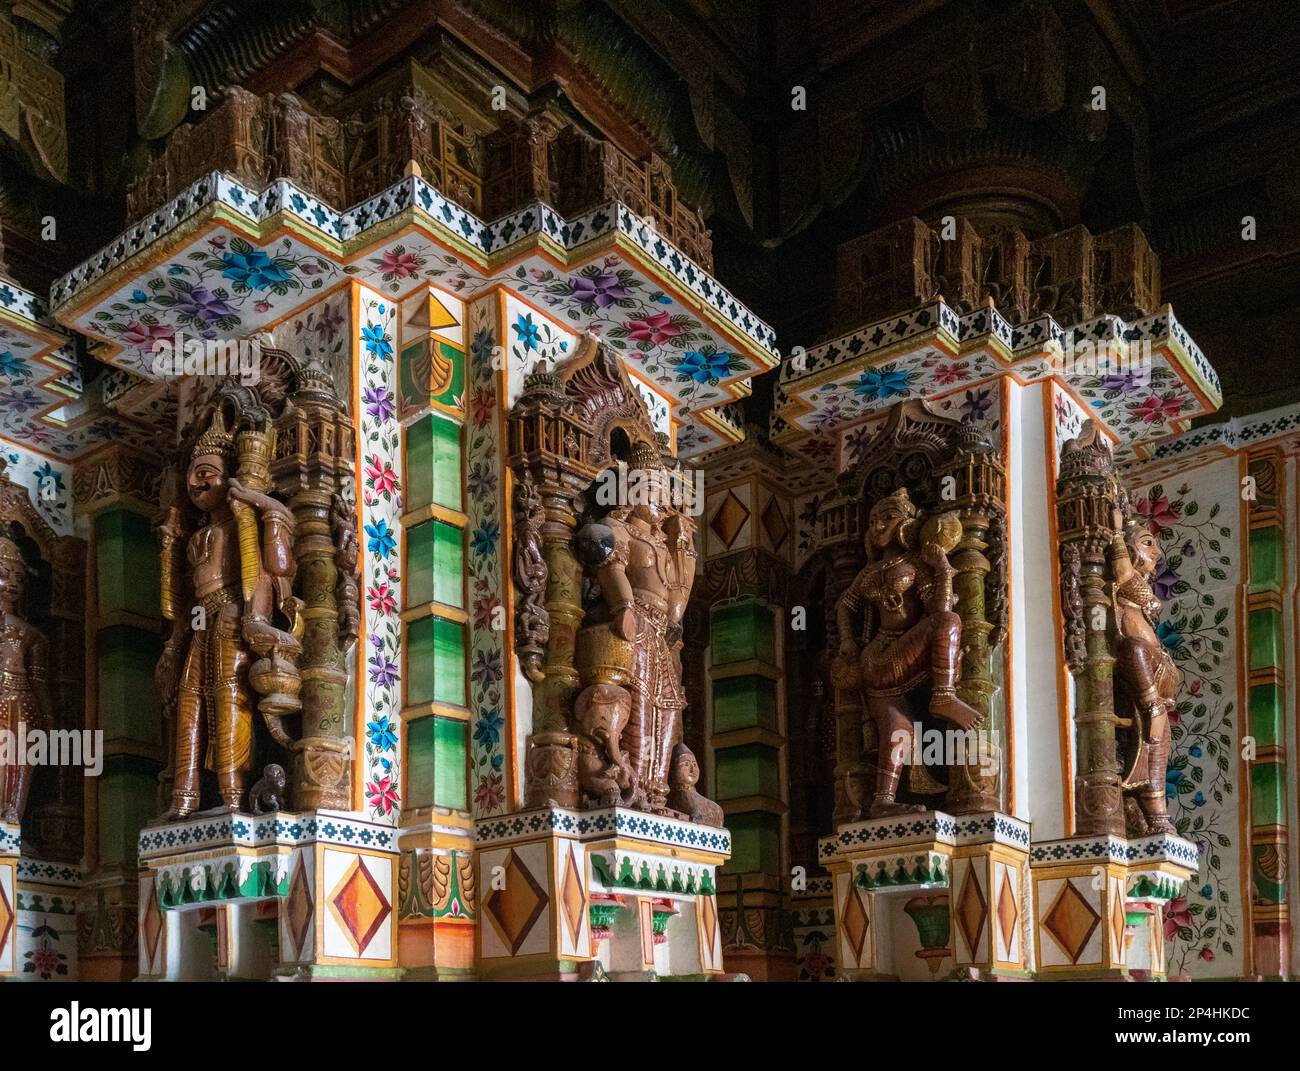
[12, 583]
[206, 482]
[686, 769]
[883, 525]
[1146, 553]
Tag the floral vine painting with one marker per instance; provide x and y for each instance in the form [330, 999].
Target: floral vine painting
[1197, 582]
[381, 511]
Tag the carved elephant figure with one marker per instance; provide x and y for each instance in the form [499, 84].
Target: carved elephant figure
[601, 713]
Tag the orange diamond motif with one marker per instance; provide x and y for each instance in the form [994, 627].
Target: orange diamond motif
[298, 909]
[774, 523]
[1070, 921]
[729, 518]
[1117, 921]
[573, 899]
[1008, 913]
[855, 922]
[972, 910]
[6, 919]
[709, 922]
[151, 926]
[359, 906]
[515, 909]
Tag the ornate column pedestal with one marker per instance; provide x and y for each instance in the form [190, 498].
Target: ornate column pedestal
[882, 869]
[10, 845]
[1092, 893]
[46, 920]
[295, 896]
[588, 895]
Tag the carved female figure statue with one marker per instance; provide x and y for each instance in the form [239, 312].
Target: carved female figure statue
[897, 629]
[1146, 679]
[234, 579]
[24, 695]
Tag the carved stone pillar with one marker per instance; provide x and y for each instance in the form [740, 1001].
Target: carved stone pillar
[1085, 497]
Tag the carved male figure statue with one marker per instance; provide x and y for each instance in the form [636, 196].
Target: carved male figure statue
[647, 567]
[897, 629]
[205, 661]
[24, 694]
[1146, 679]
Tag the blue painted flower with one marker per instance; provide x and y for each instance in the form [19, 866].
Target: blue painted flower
[488, 730]
[377, 345]
[1207, 891]
[1172, 777]
[139, 296]
[704, 366]
[12, 366]
[382, 733]
[1199, 799]
[1194, 751]
[882, 383]
[383, 540]
[527, 331]
[485, 538]
[1169, 636]
[253, 269]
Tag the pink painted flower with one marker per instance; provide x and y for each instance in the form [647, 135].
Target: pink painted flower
[1159, 513]
[138, 334]
[1157, 410]
[380, 473]
[657, 329]
[489, 792]
[330, 321]
[483, 405]
[400, 264]
[261, 306]
[945, 374]
[381, 599]
[382, 794]
[1207, 954]
[1177, 917]
[484, 607]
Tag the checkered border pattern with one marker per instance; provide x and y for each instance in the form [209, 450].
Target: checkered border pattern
[610, 821]
[290, 830]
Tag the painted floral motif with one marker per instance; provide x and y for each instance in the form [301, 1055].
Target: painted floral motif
[45, 960]
[48, 484]
[381, 510]
[214, 290]
[1196, 578]
[672, 347]
[488, 659]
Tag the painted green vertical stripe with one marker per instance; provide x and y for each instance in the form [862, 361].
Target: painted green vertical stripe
[435, 560]
[742, 632]
[433, 468]
[1265, 558]
[435, 662]
[126, 554]
[1266, 714]
[451, 788]
[1267, 794]
[744, 703]
[749, 770]
[1265, 638]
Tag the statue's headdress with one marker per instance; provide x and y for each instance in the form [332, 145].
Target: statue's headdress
[902, 500]
[9, 552]
[646, 455]
[217, 439]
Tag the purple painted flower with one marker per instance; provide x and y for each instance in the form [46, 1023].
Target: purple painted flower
[976, 404]
[1125, 384]
[1163, 581]
[487, 668]
[202, 305]
[602, 289]
[383, 671]
[379, 403]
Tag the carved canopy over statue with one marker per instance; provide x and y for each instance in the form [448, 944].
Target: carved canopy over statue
[604, 560]
[258, 581]
[914, 628]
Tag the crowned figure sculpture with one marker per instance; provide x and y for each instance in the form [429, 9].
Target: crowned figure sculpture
[24, 694]
[898, 632]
